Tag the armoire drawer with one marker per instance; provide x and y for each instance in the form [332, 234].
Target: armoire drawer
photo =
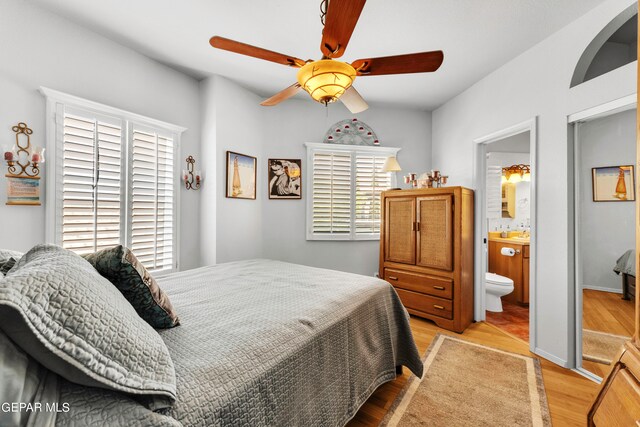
[425, 303]
[621, 402]
[435, 286]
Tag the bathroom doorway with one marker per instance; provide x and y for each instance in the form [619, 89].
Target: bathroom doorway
[505, 230]
[508, 196]
[605, 199]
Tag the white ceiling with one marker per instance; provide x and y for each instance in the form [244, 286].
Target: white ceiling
[477, 37]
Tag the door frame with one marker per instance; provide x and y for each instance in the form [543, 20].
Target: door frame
[573, 121]
[481, 232]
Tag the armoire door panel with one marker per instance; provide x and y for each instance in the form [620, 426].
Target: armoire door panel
[434, 244]
[400, 217]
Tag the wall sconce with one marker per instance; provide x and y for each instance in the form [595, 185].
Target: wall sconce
[22, 160]
[516, 173]
[192, 178]
[23, 166]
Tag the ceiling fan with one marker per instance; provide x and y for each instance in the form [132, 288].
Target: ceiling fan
[327, 79]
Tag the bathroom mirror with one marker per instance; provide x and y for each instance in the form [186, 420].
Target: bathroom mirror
[508, 200]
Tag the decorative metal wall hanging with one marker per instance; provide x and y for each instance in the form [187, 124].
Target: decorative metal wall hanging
[192, 178]
[23, 166]
[351, 132]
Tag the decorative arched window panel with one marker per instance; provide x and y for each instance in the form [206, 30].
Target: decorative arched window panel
[613, 47]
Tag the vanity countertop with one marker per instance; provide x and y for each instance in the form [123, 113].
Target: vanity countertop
[513, 238]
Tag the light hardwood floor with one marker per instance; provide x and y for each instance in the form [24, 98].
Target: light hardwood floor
[606, 312]
[569, 395]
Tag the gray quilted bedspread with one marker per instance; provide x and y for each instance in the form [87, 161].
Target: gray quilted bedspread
[267, 343]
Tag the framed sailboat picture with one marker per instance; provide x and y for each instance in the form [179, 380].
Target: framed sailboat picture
[241, 176]
[613, 184]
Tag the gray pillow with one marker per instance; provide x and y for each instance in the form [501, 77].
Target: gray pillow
[5, 254]
[64, 314]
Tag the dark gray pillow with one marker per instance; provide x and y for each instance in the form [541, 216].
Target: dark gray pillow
[7, 265]
[121, 267]
[64, 314]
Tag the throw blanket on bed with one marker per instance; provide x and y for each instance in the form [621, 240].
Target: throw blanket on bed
[626, 263]
[267, 343]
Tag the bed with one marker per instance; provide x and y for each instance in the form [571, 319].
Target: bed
[626, 268]
[266, 343]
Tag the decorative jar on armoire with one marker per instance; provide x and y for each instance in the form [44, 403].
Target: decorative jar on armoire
[618, 401]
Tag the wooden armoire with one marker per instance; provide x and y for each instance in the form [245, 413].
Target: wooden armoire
[426, 252]
[618, 401]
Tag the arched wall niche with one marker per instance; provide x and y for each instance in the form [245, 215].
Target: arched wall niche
[613, 47]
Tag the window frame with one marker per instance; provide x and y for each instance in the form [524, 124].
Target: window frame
[56, 103]
[312, 148]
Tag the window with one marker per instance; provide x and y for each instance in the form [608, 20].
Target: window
[112, 181]
[344, 188]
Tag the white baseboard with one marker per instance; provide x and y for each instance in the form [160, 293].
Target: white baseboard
[589, 375]
[602, 288]
[551, 358]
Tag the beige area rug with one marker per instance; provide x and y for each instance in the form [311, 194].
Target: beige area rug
[467, 384]
[601, 347]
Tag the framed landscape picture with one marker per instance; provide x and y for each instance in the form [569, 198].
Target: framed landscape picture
[613, 184]
[241, 176]
[285, 178]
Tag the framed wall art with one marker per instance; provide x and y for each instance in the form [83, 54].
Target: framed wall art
[613, 184]
[285, 178]
[241, 176]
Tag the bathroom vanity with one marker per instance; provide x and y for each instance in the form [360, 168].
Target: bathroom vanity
[515, 267]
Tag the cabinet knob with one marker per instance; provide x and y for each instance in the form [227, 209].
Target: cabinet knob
[440, 288]
[439, 307]
[393, 278]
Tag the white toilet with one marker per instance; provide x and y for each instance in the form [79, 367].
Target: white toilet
[497, 287]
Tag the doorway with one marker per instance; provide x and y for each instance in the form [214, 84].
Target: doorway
[604, 217]
[505, 177]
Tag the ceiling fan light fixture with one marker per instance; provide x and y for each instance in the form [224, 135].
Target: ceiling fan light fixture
[326, 80]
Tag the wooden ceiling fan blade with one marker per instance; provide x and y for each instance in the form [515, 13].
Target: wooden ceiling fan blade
[256, 52]
[342, 17]
[354, 102]
[282, 95]
[423, 62]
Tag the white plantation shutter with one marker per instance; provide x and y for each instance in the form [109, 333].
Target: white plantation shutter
[91, 183]
[331, 193]
[494, 192]
[344, 191]
[370, 182]
[112, 180]
[152, 199]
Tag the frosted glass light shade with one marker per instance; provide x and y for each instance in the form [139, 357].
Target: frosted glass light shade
[391, 165]
[515, 178]
[326, 80]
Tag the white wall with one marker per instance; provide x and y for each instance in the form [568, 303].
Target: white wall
[537, 84]
[233, 229]
[42, 49]
[233, 121]
[607, 229]
[287, 127]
